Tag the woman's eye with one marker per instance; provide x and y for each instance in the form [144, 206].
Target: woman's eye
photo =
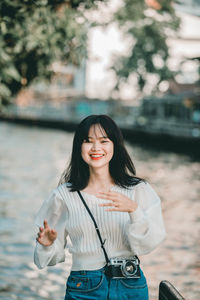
[105, 141]
[86, 141]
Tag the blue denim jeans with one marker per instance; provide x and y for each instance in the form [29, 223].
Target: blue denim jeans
[95, 285]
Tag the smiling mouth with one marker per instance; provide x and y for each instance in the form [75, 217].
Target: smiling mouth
[96, 156]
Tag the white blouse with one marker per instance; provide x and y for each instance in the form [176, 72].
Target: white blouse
[126, 234]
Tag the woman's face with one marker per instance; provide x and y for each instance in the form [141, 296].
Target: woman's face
[98, 150]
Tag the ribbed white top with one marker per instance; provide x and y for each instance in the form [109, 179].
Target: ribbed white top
[125, 233]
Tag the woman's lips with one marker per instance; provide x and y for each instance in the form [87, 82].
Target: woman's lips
[96, 156]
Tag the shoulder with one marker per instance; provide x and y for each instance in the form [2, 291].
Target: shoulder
[144, 186]
[64, 186]
[145, 194]
[136, 184]
[63, 190]
[141, 191]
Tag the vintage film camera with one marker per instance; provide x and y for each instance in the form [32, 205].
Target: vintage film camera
[120, 267]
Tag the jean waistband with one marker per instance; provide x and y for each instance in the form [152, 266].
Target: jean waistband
[86, 272]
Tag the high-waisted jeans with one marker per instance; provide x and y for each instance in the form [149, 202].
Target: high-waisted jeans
[95, 285]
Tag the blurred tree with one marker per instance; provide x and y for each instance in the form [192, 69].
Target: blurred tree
[147, 24]
[35, 33]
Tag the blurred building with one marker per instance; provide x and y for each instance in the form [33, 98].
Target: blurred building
[191, 7]
[67, 83]
[185, 48]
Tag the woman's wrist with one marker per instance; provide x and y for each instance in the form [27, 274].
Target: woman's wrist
[133, 207]
[136, 215]
[45, 248]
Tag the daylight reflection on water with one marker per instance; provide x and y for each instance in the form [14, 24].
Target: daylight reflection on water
[31, 161]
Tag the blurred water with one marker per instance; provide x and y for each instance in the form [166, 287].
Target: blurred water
[31, 161]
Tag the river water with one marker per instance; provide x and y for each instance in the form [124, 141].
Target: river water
[31, 161]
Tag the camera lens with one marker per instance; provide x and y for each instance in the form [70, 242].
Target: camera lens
[128, 268]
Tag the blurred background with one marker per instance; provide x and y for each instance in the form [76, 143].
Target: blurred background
[138, 62]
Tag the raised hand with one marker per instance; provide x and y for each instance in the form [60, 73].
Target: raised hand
[46, 235]
[118, 202]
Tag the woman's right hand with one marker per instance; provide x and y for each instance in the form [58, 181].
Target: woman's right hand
[46, 235]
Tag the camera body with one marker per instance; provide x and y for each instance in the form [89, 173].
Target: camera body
[121, 267]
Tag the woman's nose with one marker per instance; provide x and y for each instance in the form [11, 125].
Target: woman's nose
[95, 146]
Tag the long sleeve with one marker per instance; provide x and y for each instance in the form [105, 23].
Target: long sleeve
[54, 210]
[146, 229]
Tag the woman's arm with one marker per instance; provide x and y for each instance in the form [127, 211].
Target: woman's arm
[146, 229]
[54, 212]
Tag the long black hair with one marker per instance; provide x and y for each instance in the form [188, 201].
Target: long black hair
[121, 167]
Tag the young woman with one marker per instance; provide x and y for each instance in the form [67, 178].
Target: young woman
[126, 209]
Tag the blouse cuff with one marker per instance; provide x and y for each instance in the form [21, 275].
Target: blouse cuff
[137, 215]
[45, 248]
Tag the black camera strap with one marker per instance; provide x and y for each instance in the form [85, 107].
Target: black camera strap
[96, 227]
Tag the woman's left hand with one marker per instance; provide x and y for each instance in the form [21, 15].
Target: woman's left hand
[118, 202]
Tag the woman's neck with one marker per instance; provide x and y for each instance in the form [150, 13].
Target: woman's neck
[99, 180]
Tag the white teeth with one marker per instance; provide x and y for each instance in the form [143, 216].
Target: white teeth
[95, 155]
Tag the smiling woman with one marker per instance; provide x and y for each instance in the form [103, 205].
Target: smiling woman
[99, 130]
[127, 212]
[97, 150]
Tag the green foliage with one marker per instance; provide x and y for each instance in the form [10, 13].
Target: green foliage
[148, 28]
[34, 34]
